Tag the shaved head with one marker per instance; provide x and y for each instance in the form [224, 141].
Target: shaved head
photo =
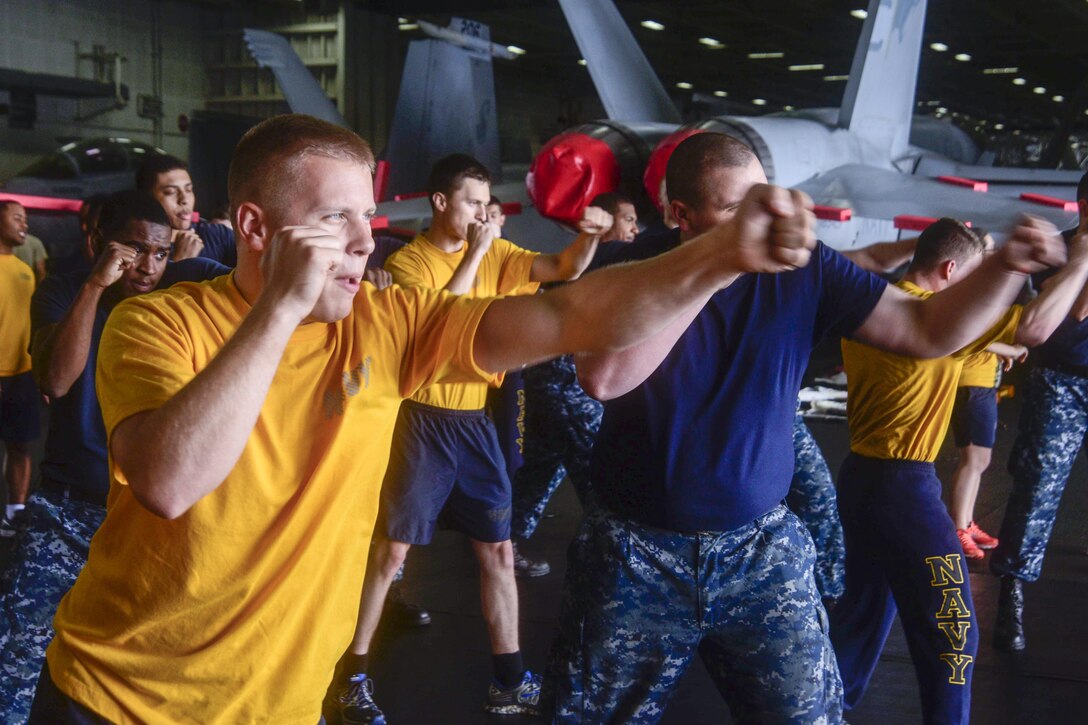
[687, 173]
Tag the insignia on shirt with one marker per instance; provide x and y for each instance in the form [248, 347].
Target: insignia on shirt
[348, 386]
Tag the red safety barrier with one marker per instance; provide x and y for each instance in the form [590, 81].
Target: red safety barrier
[1054, 201]
[833, 213]
[44, 203]
[381, 180]
[379, 222]
[511, 208]
[406, 197]
[966, 183]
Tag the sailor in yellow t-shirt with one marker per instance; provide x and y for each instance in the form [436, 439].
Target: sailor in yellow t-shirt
[249, 420]
[19, 423]
[446, 458]
[902, 551]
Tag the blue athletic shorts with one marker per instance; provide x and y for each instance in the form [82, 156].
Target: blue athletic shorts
[445, 464]
[19, 409]
[974, 417]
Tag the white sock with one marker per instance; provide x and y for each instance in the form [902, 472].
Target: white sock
[14, 508]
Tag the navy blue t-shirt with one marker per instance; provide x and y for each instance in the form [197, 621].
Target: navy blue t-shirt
[218, 243]
[706, 442]
[75, 447]
[1069, 343]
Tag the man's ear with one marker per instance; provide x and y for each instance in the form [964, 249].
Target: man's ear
[948, 268]
[680, 215]
[439, 201]
[251, 226]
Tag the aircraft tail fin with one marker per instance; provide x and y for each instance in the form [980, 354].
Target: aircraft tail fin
[625, 82]
[879, 99]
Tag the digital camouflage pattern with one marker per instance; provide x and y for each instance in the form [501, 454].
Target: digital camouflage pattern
[639, 603]
[1053, 424]
[48, 556]
[812, 498]
[561, 424]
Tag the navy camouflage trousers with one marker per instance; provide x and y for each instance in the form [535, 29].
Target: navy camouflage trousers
[48, 556]
[1053, 424]
[561, 424]
[640, 602]
[812, 498]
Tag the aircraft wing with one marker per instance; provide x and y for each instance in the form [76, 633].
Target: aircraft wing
[877, 196]
[299, 86]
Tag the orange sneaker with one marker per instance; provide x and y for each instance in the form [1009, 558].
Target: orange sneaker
[982, 539]
[970, 549]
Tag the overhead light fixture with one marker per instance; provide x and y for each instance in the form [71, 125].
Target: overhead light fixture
[942, 109]
[685, 85]
[759, 102]
[836, 78]
[402, 20]
[720, 94]
[808, 66]
[1040, 90]
[1019, 81]
[963, 57]
[712, 43]
[999, 127]
[788, 108]
[516, 50]
[859, 14]
[939, 47]
[407, 26]
[1058, 99]
[652, 25]
[1000, 71]
[1016, 132]
[764, 56]
[581, 61]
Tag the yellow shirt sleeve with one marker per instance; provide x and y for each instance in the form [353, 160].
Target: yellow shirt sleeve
[516, 268]
[408, 269]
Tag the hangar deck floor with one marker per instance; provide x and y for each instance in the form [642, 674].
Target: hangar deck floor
[439, 674]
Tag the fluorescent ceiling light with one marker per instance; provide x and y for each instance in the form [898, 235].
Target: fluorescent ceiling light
[1039, 90]
[942, 109]
[964, 57]
[859, 14]
[408, 26]
[1000, 71]
[1058, 99]
[720, 94]
[836, 78]
[1019, 81]
[581, 61]
[764, 56]
[939, 47]
[712, 43]
[685, 85]
[759, 102]
[788, 108]
[652, 25]
[808, 66]
[516, 50]
[999, 127]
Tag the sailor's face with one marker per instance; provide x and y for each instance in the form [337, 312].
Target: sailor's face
[724, 188]
[466, 204]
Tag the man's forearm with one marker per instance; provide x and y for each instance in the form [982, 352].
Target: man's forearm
[464, 277]
[61, 357]
[176, 454]
[1044, 313]
[573, 260]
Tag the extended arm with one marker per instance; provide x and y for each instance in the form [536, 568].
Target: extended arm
[1044, 313]
[615, 308]
[882, 256]
[480, 236]
[572, 261]
[958, 315]
[176, 454]
[60, 351]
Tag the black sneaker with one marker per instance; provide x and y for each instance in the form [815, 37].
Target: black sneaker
[355, 701]
[524, 566]
[8, 529]
[521, 699]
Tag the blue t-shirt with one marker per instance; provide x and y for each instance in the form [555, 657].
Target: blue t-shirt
[218, 243]
[75, 446]
[1069, 343]
[706, 442]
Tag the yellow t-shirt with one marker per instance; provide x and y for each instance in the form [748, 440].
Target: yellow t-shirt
[16, 289]
[238, 610]
[504, 270]
[899, 407]
[981, 370]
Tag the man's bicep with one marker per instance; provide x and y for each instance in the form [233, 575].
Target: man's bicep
[126, 444]
[890, 320]
[517, 331]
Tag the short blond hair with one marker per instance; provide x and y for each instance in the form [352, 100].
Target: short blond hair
[265, 161]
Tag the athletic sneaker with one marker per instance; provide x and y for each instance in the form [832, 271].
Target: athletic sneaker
[521, 699]
[8, 528]
[356, 702]
[524, 566]
[982, 539]
[970, 548]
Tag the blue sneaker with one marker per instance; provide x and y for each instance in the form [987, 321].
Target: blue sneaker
[356, 702]
[521, 699]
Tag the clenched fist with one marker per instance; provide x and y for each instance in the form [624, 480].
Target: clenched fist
[1035, 245]
[480, 236]
[187, 244]
[296, 265]
[112, 263]
[595, 221]
[772, 231]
